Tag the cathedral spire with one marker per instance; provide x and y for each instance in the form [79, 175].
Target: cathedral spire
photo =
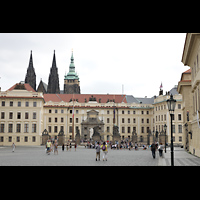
[53, 84]
[30, 75]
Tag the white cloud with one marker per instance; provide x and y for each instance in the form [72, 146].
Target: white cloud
[104, 61]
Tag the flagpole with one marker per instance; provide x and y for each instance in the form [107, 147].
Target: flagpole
[73, 120]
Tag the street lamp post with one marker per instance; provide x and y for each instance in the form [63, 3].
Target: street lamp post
[171, 103]
[165, 128]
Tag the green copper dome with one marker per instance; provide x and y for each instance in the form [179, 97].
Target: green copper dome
[71, 74]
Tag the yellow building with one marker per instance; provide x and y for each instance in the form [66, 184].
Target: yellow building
[27, 116]
[21, 119]
[162, 116]
[190, 57]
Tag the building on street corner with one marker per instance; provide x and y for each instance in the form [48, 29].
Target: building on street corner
[189, 87]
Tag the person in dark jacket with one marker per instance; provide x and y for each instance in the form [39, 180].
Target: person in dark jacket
[153, 149]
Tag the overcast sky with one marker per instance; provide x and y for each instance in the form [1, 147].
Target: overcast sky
[104, 61]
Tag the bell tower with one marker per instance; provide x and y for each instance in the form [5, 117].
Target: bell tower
[71, 80]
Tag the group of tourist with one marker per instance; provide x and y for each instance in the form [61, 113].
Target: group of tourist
[52, 146]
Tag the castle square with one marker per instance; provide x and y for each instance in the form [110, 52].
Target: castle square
[31, 113]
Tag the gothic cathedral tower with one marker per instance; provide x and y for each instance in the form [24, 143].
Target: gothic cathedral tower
[71, 80]
[53, 84]
[30, 75]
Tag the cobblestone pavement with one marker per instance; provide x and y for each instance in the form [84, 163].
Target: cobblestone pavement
[181, 158]
[36, 156]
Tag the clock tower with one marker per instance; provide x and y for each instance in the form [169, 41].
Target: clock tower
[71, 80]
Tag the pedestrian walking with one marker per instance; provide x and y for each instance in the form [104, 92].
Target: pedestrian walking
[63, 147]
[160, 148]
[70, 146]
[55, 147]
[136, 146]
[153, 149]
[97, 151]
[105, 151]
[48, 146]
[75, 146]
[13, 147]
[67, 146]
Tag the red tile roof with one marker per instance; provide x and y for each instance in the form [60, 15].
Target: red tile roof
[187, 71]
[81, 97]
[27, 86]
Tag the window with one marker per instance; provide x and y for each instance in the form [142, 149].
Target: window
[18, 128]
[76, 111]
[34, 115]
[62, 119]
[33, 139]
[173, 128]
[70, 120]
[147, 112]
[18, 139]
[1, 139]
[49, 110]
[76, 120]
[134, 112]
[180, 139]
[2, 115]
[142, 120]
[2, 128]
[179, 116]
[147, 121]
[27, 104]
[55, 129]
[128, 111]
[56, 119]
[129, 121]
[123, 112]
[142, 129]
[179, 106]
[25, 128]
[62, 111]
[11, 103]
[49, 119]
[19, 104]
[10, 115]
[18, 115]
[3, 103]
[25, 139]
[10, 139]
[26, 115]
[49, 128]
[179, 128]
[129, 129]
[108, 120]
[108, 112]
[134, 120]
[122, 120]
[123, 129]
[10, 128]
[142, 112]
[34, 128]
[34, 104]
[56, 111]
[108, 129]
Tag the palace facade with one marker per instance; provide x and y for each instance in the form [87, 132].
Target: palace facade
[29, 116]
